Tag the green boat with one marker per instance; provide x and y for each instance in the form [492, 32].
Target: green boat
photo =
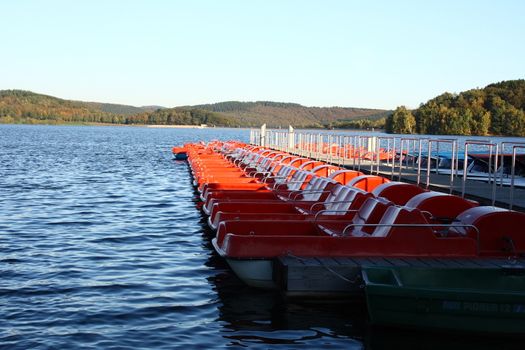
[461, 299]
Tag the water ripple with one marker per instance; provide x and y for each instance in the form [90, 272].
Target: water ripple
[102, 246]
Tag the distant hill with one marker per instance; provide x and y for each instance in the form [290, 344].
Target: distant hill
[283, 114]
[497, 109]
[152, 108]
[28, 107]
[120, 109]
[19, 106]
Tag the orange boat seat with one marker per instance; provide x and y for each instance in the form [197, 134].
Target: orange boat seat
[441, 207]
[368, 182]
[500, 232]
[397, 192]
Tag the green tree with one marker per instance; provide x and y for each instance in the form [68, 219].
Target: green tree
[402, 121]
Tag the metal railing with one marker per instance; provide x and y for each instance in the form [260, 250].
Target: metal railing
[453, 161]
[492, 171]
[513, 173]
[400, 155]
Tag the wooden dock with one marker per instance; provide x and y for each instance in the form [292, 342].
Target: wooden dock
[341, 277]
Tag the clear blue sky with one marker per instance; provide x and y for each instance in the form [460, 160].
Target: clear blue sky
[318, 53]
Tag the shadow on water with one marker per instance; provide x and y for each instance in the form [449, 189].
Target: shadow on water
[252, 317]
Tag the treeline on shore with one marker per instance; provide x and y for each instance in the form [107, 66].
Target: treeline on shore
[498, 109]
[17, 106]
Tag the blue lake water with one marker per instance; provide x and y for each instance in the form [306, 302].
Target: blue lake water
[102, 246]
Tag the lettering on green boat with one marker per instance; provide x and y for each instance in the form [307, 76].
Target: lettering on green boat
[519, 309]
[480, 307]
[449, 305]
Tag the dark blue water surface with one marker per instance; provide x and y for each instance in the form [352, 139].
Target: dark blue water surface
[102, 246]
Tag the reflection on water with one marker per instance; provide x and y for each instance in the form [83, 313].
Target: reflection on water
[251, 317]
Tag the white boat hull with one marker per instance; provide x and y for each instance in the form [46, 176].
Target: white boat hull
[255, 273]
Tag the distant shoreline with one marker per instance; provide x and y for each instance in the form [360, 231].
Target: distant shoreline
[132, 125]
[154, 126]
[177, 126]
[111, 124]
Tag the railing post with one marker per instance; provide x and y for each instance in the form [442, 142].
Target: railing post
[513, 173]
[262, 136]
[491, 146]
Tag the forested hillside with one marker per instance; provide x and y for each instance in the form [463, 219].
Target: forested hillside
[18, 106]
[283, 114]
[181, 116]
[121, 109]
[498, 109]
[28, 107]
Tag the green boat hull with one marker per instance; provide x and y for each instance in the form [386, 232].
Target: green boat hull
[462, 299]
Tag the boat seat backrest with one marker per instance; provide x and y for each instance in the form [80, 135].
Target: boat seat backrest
[442, 207]
[397, 192]
[370, 212]
[367, 182]
[277, 165]
[279, 156]
[313, 184]
[251, 158]
[501, 231]
[287, 159]
[396, 215]
[311, 165]
[313, 189]
[298, 161]
[325, 170]
[296, 180]
[269, 164]
[280, 175]
[281, 170]
[345, 176]
[285, 174]
[264, 164]
[266, 152]
[260, 160]
[274, 167]
[337, 194]
[243, 156]
[345, 200]
[324, 184]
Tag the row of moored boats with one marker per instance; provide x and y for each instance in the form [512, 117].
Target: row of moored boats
[265, 204]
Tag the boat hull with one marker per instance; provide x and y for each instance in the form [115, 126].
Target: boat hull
[255, 273]
[457, 304]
